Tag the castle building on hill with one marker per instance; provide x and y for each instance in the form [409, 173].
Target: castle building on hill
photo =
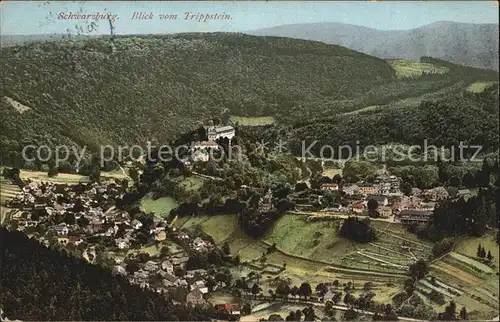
[216, 132]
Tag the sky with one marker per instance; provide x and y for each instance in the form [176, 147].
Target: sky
[37, 17]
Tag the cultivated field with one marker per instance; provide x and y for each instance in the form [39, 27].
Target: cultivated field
[253, 121]
[466, 280]
[7, 192]
[406, 68]
[478, 87]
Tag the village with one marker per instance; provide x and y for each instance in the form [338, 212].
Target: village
[95, 221]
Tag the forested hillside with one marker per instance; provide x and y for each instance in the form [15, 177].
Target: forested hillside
[471, 118]
[41, 284]
[130, 89]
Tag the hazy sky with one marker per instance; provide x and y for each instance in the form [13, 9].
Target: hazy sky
[24, 17]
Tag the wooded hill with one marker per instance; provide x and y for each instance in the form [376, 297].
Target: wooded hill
[130, 89]
[471, 118]
[43, 284]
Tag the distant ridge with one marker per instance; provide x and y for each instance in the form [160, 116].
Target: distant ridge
[467, 44]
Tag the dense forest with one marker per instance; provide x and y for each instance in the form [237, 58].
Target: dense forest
[471, 118]
[42, 284]
[130, 89]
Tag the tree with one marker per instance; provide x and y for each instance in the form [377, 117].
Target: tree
[321, 289]
[489, 256]
[134, 174]
[283, 289]
[350, 315]
[406, 188]
[305, 290]
[275, 317]
[348, 299]
[301, 186]
[463, 314]
[337, 297]
[419, 269]
[255, 290]
[226, 249]
[53, 170]
[309, 314]
[372, 205]
[481, 252]
[450, 312]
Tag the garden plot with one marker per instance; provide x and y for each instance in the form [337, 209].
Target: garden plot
[444, 285]
[473, 270]
[364, 261]
[454, 272]
[437, 288]
[469, 261]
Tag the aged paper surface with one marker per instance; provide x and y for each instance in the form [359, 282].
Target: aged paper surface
[253, 160]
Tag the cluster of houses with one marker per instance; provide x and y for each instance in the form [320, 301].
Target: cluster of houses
[169, 275]
[64, 214]
[416, 208]
[69, 213]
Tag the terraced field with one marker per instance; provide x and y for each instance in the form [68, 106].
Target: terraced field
[7, 192]
[467, 281]
[479, 87]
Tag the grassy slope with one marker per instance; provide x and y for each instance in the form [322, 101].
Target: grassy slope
[293, 234]
[253, 121]
[160, 206]
[79, 90]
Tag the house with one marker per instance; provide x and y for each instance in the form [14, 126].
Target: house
[167, 266]
[136, 224]
[216, 132]
[161, 235]
[151, 266]
[385, 211]
[367, 190]
[61, 229]
[329, 187]
[198, 243]
[120, 270]
[121, 243]
[266, 202]
[233, 309]
[62, 240]
[416, 191]
[76, 240]
[463, 193]
[358, 207]
[426, 206]
[351, 190]
[205, 145]
[382, 200]
[437, 193]
[198, 155]
[96, 224]
[200, 285]
[169, 277]
[195, 297]
[408, 217]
